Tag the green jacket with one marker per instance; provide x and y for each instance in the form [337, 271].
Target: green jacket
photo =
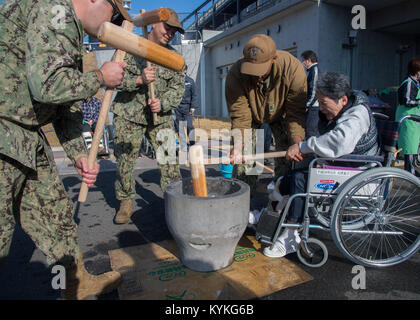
[41, 49]
[285, 96]
[131, 100]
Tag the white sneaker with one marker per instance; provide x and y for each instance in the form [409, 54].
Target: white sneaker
[288, 242]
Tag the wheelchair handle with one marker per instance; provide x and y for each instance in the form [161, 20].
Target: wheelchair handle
[410, 117]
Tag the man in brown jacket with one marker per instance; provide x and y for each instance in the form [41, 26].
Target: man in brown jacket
[266, 86]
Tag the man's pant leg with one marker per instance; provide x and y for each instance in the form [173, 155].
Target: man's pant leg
[298, 181]
[162, 138]
[182, 129]
[190, 129]
[246, 172]
[178, 118]
[127, 141]
[46, 212]
[281, 141]
[312, 120]
[12, 179]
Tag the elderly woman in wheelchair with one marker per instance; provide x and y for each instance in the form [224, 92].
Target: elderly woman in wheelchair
[358, 208]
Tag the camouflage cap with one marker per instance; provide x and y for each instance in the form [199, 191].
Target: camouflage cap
[173, 21]
[258, 53]
[123, 13]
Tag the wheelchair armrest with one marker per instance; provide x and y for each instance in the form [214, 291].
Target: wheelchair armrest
[361, 158]
[353, 158]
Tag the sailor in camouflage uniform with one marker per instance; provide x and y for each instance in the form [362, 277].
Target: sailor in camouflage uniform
[133, 117]
[41, 48]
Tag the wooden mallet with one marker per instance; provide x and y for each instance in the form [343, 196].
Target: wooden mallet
[153, 16]
[99, 129]
[198, 172]
[135, 45]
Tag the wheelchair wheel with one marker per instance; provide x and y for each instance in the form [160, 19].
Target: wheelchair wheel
[376, 217]
[319, 253]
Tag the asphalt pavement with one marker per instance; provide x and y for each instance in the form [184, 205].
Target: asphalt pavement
[25, 274]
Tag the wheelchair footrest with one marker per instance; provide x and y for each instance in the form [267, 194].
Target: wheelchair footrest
[267, 226]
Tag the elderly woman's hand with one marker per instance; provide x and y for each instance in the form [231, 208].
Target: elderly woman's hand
[293, 153]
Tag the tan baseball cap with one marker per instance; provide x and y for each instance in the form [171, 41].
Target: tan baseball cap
[173, 21]
[258, 53]
[124, 15]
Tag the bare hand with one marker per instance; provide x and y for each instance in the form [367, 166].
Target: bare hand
[148, 75]
[293, 153]
[113, 73]
[192, 111]
[88, 176]
[154, 105]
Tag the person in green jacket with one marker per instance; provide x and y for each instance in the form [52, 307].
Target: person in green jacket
[41, 49]
[133, 110]
[409, 103]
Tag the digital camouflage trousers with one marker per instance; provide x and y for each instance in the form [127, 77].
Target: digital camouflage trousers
[127, 140]
[37, 200]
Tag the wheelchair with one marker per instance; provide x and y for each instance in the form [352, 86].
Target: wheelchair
[88, 133]
[370, 208]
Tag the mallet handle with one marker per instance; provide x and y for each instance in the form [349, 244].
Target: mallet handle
[198, 172]
[150, 85]
[258, 156]
[99, 129]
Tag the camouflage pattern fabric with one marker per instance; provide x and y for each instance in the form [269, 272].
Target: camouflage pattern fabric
[133, 119]
[41, 49]
[131, 100]
[38, 201]
[246, 172]
[127, 140]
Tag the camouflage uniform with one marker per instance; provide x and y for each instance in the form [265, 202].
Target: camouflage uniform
[133, 119]
[41, 48]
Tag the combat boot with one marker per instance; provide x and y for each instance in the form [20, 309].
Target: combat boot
[80, 284]
[126, 211]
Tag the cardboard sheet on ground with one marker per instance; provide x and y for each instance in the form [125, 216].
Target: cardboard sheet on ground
[154, 271]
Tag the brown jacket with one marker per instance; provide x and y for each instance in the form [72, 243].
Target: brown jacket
[285, 96]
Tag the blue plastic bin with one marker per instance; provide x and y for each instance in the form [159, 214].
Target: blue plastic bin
[226, 170]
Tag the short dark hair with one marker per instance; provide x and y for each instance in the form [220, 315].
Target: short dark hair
[413, 66]
[309, 54]
[333, 85]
